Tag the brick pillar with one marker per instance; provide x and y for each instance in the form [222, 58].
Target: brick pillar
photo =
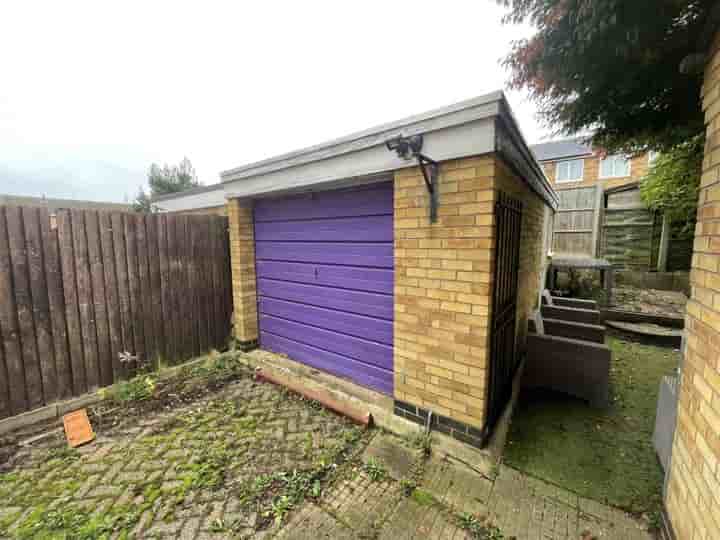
[693, 491]
[442, 295]
[242, 260]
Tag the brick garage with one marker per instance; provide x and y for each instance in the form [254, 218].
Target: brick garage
[337, 264]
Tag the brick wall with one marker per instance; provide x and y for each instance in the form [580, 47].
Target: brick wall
[532, 258]
[443, 283]
[242, 257]
[693, 494]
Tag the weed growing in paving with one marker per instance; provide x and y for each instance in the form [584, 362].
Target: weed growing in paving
[478, 529]
[375, 470]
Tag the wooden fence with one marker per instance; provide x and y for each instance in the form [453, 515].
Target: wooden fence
[80, 287]
[576, 222]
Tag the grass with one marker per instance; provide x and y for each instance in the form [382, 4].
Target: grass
[606, 455]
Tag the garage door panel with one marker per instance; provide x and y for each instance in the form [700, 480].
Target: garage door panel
[368, 328]
[365, 374]
[360, 303]
[348, 277]
[368, 201]
[378, 255]
[363, 229]
[325, 273]
[363, 350]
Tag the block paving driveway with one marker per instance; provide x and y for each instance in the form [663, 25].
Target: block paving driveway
[251, 461]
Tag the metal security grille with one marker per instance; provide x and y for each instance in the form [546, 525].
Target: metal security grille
[503, 357]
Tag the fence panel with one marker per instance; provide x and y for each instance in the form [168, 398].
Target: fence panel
[576, 229]
[80, 287]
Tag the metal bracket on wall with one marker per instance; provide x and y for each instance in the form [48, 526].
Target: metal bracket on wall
[430, 174]
[408, 148]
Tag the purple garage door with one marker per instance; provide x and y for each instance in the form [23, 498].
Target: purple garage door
[325, 281]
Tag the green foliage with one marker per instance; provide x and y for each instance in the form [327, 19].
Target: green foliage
[208, 472]
[164, 180]
[76, 524]
[139, 388]
[613, 67]
[476, 528]
[172, 178]
[671, 186]
[374, 469]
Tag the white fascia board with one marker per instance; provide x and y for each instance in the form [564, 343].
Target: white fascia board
[192, 201]
[472, 138]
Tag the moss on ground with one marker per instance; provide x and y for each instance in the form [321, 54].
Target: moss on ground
[605, 455]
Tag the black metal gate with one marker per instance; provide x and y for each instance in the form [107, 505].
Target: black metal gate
[504, 360]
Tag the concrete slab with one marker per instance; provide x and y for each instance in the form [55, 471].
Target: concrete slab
[394, 455]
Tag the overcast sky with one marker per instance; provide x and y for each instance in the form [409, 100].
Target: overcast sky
[91, 93]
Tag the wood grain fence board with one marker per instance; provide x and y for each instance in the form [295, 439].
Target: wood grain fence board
[204, 256]
[173, 290]
[40, 303]
[124, 294]
[191, 234]
[107, 248]
[167, 317]
[9, 324]
[5, 403]
[146, 312]
[72, 308]
[151, 223]
[85, 299]
[136, 307]
[213, 259]
[97, 280]
[24, 305]
[56, 303]
[76, 293]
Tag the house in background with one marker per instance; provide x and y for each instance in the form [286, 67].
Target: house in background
[601, 212]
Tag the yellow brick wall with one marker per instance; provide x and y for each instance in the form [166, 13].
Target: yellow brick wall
[591, 173]
[443, 283]
[242, 261]
[532, 260]
[693, 496]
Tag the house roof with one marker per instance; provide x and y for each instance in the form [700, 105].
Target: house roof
[561, 149]
[59, 204]
[191, 199]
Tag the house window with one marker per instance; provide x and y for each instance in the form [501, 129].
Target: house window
[569, 171]
[652, 156]
[614, 167]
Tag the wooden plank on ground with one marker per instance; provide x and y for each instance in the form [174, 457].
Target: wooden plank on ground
[97, 279]
[136, 319]
[151, 222]
[56, 302]
[9, 326]
[41, 303]
[85, 299]
[72, 309]
[146, 314]
[107, 247]
[165, 288]
[24, 305]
